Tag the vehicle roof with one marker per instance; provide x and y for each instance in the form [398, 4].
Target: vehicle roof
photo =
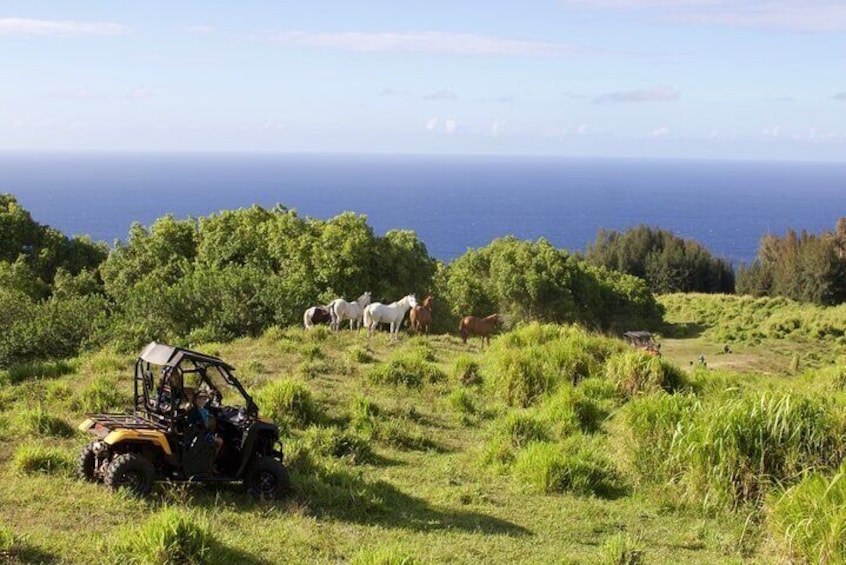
[169, 356]
[638, 335]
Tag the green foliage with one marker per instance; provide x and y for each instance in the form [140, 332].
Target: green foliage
[169, 536]
[334, 442]
[40, 422]
[655, 421]
[749, 320]
[101, 394]
[634, 372]
[576, 465]
[535, 281]
[466, 370]
[667, 262]
[406, 369]
[359, 354]
[740, 449]
[288, 402]
[808, 521]
[804, 267]
[38, 370]
[622, 549]
[32, 458]
[8, 541]
[535, 360]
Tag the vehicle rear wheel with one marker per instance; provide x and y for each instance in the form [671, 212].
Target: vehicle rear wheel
[268, 479]
[86, 462]
[132, 472]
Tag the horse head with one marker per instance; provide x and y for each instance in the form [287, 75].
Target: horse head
[364, 299]
[427, 302]
[411, 300]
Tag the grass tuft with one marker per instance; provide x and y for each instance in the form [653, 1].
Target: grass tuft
[32, 458]
[169, 536]
[288, 402]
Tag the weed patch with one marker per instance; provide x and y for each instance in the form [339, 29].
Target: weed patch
[34, 458]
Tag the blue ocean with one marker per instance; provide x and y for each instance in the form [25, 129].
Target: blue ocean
[453, 203]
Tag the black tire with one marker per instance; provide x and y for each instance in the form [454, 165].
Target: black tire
[85, 464]
[267, 479]
[132, 472]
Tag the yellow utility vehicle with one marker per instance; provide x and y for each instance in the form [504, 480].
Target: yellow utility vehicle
[192, 421]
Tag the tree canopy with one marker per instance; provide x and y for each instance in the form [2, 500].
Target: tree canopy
[667, 262]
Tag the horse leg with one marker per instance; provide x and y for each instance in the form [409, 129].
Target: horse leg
[464, 336]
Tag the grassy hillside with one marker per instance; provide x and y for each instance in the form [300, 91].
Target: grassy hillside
[551, 445]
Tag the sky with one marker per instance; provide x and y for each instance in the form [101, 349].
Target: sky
[740, 79]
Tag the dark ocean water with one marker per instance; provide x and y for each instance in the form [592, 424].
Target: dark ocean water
[451, 202]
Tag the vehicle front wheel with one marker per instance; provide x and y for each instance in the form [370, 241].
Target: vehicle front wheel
[268, 479]
[86, 462]
[132, 472]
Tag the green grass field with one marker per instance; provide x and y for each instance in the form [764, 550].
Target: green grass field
[431, 451]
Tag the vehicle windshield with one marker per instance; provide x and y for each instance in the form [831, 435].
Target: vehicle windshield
[211, 380]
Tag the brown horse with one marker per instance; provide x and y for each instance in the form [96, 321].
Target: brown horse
[421, 316]
[482, 327]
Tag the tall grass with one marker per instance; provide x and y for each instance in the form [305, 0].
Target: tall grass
[30, 458]
[288, 403]
[808, 521]
[536, 360]
[578, 465]
[634, 372]
[102, 394]
[656, 421]
[42, 422]
[169, 536]
[411, 370]
[37, 370]
[738, 450]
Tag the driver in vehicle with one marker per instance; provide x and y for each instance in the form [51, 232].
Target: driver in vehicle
[200, 416]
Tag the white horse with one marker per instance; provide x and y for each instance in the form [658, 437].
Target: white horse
[378, 313]
[341, 310]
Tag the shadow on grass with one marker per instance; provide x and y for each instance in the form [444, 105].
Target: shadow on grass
[339, 494]
[335, 492]
[25, 553]
[683, 330]
[224, 555]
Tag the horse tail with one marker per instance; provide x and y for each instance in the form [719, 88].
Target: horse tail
[368, 318]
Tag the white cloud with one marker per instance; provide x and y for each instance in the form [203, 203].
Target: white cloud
[772, 132]
[660, 133]
[74, 94]
[656, 94]
[436, 125]
[498, 127]
[432, 42]
[840, 96]
[139, 93]
[789, 15]
[201, 29]
[28, 26]
[440, 96]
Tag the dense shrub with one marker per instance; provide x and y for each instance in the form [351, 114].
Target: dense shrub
[655, 420]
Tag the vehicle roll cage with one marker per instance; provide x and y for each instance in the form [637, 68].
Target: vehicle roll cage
[175, 362]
